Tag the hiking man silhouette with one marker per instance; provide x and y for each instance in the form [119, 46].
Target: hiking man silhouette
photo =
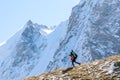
[73, 56]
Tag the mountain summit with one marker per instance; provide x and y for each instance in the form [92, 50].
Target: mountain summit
[92, 31]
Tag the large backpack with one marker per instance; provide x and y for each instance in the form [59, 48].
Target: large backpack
[74, 54]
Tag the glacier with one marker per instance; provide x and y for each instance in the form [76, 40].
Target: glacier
[92, 31]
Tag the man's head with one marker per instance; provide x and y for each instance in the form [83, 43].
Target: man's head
[71, 50]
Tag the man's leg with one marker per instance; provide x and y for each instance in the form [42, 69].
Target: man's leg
[73, 63]
[77, 62]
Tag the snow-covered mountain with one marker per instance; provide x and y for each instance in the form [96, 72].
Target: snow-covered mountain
[29, 51]
[92, 31]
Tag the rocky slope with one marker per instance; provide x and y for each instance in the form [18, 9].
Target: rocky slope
[104, 69]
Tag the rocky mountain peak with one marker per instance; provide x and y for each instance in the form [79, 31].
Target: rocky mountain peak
[30, 23]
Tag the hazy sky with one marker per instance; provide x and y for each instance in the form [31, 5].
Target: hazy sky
[15, 13]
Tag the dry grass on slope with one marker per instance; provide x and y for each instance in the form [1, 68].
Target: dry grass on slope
[104, 69]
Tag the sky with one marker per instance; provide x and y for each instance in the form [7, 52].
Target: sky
[15, 13]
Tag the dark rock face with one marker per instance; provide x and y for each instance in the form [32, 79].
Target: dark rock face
[117, 66]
